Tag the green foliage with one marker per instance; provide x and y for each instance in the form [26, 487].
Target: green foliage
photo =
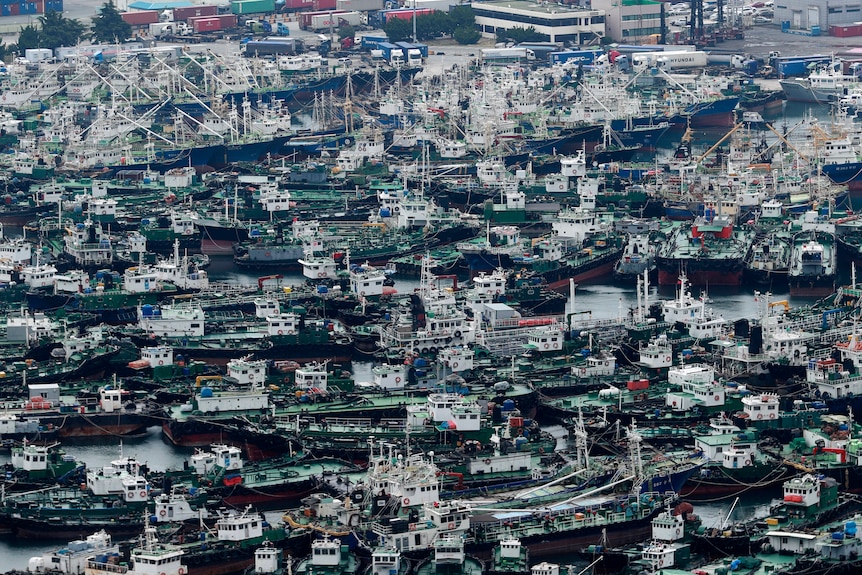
[518, 35]
[109, 26]
[398, 30]
[28, 37]
[434, 25]
[466, 35]
[346, 31]
[57, 30]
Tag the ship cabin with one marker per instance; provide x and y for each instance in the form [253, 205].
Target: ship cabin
[597, 366]
[182, 177]
[385, 561]
[158, 355]
[172, 321]
[574, 166]
[36, 458]
[545, 568]
[113, 399]
[668, 527]
[367, 281]
[282, 324]
[267, 559]
[16, 251]
[456, 359]
[327, 552]
[389, 376]
[246, 372]
[718, 226]
[549, 250]
[802, 491]
[657, 354]
[73, 281]
[312, 378]
[317, 268]
[697, 388]
[265, 307]
[491, 284]
[760, 407]
[791, 542]
[103, 209]
[154, 560]
[136, 489]
[831, 379]
[227, 457]
[451, 407]
[72, 558]
[841, 544]
[175, 506]
[449, 550]
[240, 527]
[41, 276]
[273, 199]
[812, 258]
[545, 339]
[108, 479]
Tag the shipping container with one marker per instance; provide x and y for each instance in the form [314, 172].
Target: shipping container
[313, 5]
[334, 20]
[183, 14]
[205, 25]
[441, 5]
[359, 5]
[226, 22]
[252, 6]
[141, 18]
[846, 30]
[402, 14]
[574, 56]
[38, 54]
[269, 48]
[305, 17]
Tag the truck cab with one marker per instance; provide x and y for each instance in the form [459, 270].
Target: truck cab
[396, 59]
[414, 57]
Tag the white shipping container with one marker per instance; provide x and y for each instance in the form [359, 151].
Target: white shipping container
[359, 5]
[441, 5]
[38, 54]
[325, 21]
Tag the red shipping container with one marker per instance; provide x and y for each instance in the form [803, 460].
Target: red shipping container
[637, 384]
[228, 21]
[183, 14]
[315, 5]
[206, 25]
[142, 18]
[40, 6]
[405, 14]
[306, 17]
[14, 9]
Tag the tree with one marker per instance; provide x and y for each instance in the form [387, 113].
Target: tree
[109, 26]
[28, 37]
[398, 30]
[346, 31]
[462, 17]
[518, 35]
[57, 30]
[466, 35]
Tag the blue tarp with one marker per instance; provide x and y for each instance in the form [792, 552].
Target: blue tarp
[160, 5]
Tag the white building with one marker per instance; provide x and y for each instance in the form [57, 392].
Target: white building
[559, 23]
[630, 21]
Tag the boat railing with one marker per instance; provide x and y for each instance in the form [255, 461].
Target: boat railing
[106, 567]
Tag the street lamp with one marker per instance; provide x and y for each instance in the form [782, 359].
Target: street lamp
[414, 21]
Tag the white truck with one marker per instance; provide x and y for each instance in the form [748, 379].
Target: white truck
[162, 29]
[672, 60]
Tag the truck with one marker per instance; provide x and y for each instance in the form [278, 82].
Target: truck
[505, 56]
[369, 40]
[391, 53]
[164, 29]
[201, 24]
[573, 57]
[670, 60]
[334, 20]
[271, 47]
[413, 53]
[787, 66]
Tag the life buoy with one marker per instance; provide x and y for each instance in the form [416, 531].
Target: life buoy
[180, 571]
[397, 380]
[772, 416]
[143, 493]
[488, 461]
[796, 353]
[267, 254]
[759, 416]
[457, 334]
[321, 274]
[161, 362]
[83, 409]
[667, 358]
[547, 346]
[498, 292]
[674, 404]
[281, 332]
[436, 340]
[451, 525]
[716, 398]
[412, 527]
[607, 364]
[362, 293]
[747, 462]
[678, 531]
[406, 501]
[454, 365]
[587, 115]
[162, 513]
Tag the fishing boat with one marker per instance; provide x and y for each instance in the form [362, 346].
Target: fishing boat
[813, 264]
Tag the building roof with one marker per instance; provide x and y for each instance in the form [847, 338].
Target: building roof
[538, 7]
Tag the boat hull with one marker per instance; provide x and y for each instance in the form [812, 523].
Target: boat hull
[670, 277]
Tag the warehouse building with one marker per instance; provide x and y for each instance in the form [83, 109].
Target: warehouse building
[559, 23]
[816, 14]
[630, 21]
